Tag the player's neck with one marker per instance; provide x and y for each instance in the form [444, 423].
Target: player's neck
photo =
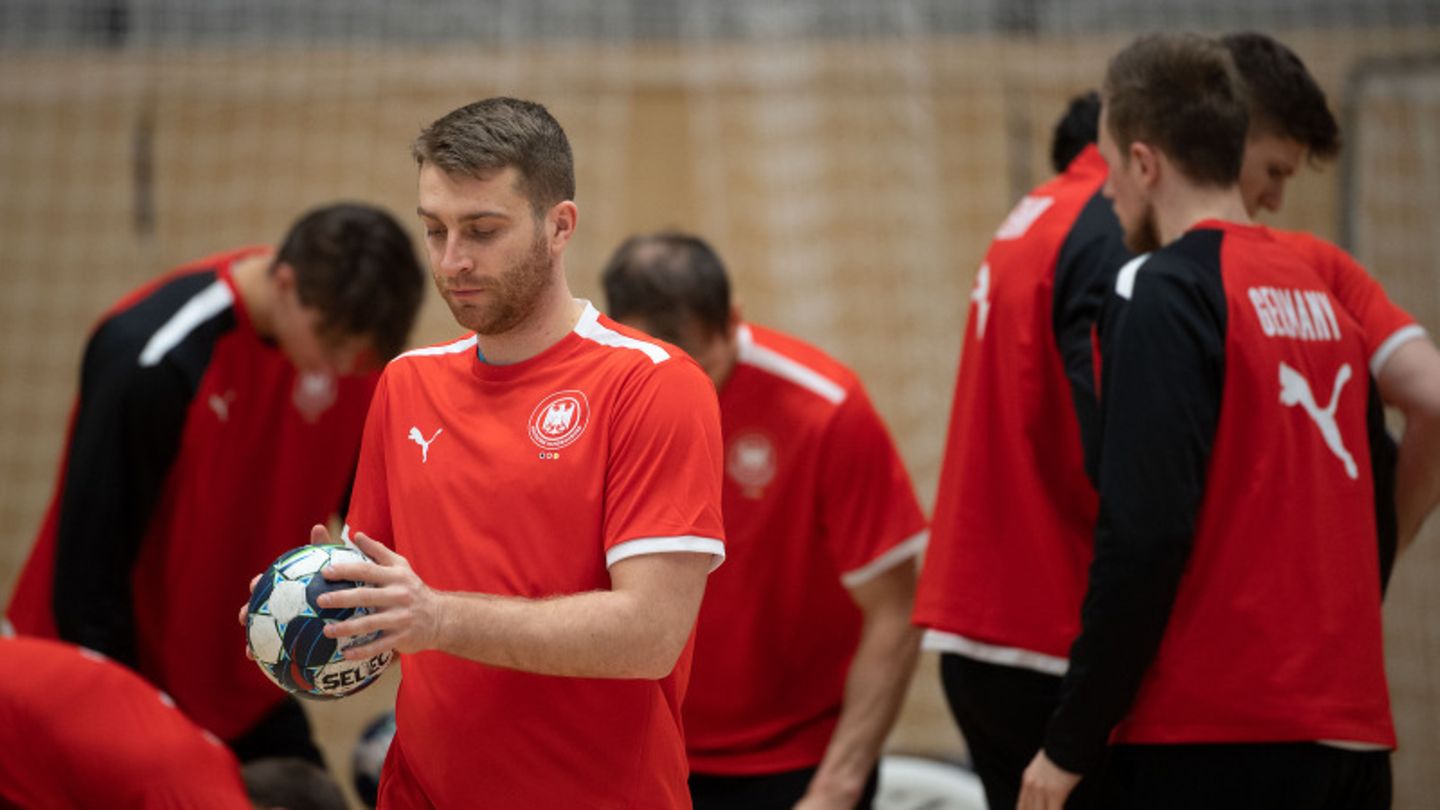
[1186, 205]
[252, 281]
[553, 319]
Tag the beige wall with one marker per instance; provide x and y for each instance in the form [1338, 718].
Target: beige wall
[852, 188]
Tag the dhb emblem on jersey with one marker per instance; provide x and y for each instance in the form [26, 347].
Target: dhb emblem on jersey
[314, 393]
[980, 296]
[750, 462]
[559, 419]
[1295, 390]
[419, 438]
[221, 405]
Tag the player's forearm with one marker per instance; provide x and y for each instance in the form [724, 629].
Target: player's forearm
[875, 687]
[598, 634]
[1410, 381]
[1417, 476]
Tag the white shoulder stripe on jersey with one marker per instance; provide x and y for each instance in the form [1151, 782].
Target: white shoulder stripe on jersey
[1125, 279]
[899, 553]
[663, 545]
[456, 347]
[939, 641]
[206, 304]
[788, 369]
[1401, 336]
[590, 328]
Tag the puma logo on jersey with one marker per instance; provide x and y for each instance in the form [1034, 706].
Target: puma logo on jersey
[1295, 390]
[980, 296]
[1297, 314]
[221, 405]
[419, 438]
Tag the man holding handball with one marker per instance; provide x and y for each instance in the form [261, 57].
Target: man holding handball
[544, 501]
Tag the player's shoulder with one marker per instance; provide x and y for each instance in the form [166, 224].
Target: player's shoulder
[611, 343]
[791, 361]
[436, 353]
[178, 315]
[445, 363]
[1185, 264]
[1325, 256]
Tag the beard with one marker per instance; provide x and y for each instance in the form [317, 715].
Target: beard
[512, 297]
[1145, 236]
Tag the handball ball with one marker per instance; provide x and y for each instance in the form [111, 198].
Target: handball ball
[284, 628]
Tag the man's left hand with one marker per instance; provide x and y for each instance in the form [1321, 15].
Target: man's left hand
[1045, 785]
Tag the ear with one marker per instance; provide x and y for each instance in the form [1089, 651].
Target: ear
[1146, 163]
[282, 275]
[560, 224]
[732, 323]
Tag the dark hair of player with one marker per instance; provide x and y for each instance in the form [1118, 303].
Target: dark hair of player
[668, 279]
[356, 265]
[1076, 129]
[1182, 94]
[496, 133]
[1285, 99]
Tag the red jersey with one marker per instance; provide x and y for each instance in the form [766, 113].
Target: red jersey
[1015, 514]
[1385, 326]
[78, 730]
[530, 480]
[816, 501]
[1284, 572]
[189, 467]
[1235, 595]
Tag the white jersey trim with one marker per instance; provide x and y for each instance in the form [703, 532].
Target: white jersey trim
[205, 305]
[899, 553]
[664, 545]
[1403, 335]
[784, 367]
[463, 344]
[1125, 279]
[590, 328]
[938, 641]
[1354, 745]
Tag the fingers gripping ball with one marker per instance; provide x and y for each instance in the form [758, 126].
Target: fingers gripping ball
[285, 627]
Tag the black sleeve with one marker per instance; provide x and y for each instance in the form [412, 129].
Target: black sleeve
[1085, 271]
[1163, 370]
[1384, 456]
[125, 438]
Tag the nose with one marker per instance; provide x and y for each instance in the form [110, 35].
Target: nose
[1274, 197]
[453, 259]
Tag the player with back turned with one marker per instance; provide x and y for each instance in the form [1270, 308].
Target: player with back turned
[1002, 582]
[543, 496]
[804, 647]
[219, 417]
[1230, 643]
[1291, 125]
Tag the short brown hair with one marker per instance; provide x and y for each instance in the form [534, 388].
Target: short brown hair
[668, 278]
[355, 265]
[496, 133]
[1182, 94]
[1285, 99]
